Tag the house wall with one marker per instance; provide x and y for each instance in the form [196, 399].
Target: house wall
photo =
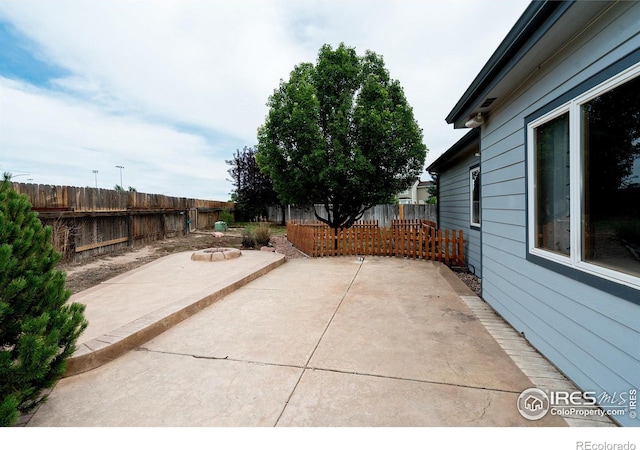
[589, 334]
[422, 195]
[454, 206]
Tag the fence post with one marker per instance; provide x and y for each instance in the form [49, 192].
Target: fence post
[461, 248]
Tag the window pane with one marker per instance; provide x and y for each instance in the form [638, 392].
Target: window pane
[611, 155]
[475, 196]
[552, 185]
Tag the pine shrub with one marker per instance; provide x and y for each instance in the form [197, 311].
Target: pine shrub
[38, 330]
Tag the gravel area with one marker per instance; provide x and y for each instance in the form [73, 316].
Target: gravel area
[470, 280]
[282, 245]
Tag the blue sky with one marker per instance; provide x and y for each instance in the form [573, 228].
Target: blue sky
[19, 58]
[169, 89]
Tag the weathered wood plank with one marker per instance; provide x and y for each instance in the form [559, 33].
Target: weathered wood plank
[101, 244]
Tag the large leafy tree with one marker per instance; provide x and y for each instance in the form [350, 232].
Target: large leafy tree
[38, 329]
[253, 191]
[340, 134]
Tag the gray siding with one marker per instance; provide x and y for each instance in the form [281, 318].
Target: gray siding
[590, 335]
[454, 207]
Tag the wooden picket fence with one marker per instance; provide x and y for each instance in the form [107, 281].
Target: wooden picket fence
[418, 239]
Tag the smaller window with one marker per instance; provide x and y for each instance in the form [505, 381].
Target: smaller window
[474, 195]
[552, 187]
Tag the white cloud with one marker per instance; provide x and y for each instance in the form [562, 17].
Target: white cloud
[154, 81]
[46, 131]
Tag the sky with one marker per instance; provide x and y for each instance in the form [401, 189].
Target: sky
[170, 89]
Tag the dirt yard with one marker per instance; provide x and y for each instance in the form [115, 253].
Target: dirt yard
[88, 273]
[91, 272]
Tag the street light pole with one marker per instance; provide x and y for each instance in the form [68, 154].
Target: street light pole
[95, 172]
[121, 167]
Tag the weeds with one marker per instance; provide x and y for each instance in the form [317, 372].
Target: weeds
[248, 238]
[262, 234]
[256, 235]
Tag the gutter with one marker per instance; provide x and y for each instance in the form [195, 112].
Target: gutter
[532, 25]
[455, 150]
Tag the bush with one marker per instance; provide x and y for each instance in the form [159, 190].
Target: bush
[263, 234]
[226, 216]
[38, 331]
[248, 240]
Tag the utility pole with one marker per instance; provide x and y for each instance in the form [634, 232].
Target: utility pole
[121, 185]
[95, 172]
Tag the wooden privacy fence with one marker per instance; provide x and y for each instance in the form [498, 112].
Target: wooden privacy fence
[418, 239]
[88, 221]
[383, 214]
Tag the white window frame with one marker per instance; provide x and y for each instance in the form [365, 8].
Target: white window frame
[575, 259]
[471, 222]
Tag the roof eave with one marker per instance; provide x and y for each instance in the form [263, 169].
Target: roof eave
[538, 17]
[463, 144]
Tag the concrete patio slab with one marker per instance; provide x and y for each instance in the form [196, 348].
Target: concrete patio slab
[143, 389]
[254, 325]
[418, 333]
[132, 308]
[315, 342]
[330, 399]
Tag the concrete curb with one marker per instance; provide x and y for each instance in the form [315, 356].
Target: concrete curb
[110, 346]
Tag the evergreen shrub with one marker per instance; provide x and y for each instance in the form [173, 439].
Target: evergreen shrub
[38, 329]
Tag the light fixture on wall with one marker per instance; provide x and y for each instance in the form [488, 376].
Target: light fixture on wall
[475, 121]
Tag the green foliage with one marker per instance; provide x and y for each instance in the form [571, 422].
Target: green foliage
[38, 330]
[119, 188]
[341, 134]
[226, 216]
[253, 191]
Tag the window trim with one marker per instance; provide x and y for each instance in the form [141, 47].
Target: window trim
[531, 175]
[472, 224]
[574, 265]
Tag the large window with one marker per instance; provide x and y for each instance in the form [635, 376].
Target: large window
[584, 181]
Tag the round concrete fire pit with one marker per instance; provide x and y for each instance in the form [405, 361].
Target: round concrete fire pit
[215, 254]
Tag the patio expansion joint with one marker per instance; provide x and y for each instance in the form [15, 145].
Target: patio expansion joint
[319, 340]
[325, 369]
[414, 380]
[222, 358]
